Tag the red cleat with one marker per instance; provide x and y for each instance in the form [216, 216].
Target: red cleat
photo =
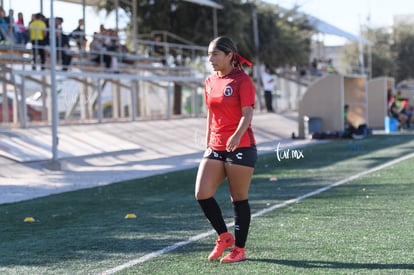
[237, 254]
[224, 241]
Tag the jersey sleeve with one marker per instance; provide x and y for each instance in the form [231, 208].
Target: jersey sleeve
[247, 92]
[206, 84]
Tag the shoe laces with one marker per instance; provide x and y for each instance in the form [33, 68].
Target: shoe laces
[234, 252]
[223, 240]
[220, 242]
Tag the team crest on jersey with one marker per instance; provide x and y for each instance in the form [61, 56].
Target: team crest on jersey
[228, 90]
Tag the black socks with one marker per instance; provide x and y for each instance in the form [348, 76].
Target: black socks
[212, 212]
[242, 218]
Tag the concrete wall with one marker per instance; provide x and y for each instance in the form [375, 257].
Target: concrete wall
[377, 102]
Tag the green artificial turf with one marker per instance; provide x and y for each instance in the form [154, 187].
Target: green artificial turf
[364, 226]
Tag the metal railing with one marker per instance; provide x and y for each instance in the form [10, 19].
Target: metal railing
[138, 72]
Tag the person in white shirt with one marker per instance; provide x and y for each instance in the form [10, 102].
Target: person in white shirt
[268, 85]
[98, 53]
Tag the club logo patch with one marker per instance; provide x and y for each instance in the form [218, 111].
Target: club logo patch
[228, 90]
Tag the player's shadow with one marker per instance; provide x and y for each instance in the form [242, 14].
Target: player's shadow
[336, 265]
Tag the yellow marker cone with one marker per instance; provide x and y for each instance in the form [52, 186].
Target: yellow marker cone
[130, 216]
[29, 219]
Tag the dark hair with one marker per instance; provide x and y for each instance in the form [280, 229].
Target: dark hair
[226, 45]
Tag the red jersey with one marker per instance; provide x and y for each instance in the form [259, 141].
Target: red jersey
[225, 96]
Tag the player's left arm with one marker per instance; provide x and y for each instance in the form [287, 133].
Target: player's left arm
[244, 123]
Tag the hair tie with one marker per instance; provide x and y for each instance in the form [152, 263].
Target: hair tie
[243, 60]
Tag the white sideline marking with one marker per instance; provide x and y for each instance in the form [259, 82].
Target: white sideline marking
[257, 214]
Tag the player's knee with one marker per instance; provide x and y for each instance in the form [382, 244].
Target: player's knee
[203, 194]
[239, 196]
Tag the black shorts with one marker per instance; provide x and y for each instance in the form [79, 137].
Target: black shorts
[245, 156]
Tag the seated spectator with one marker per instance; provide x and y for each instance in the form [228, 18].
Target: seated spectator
[4, 26]
[396, 111]
[402, 103]
[98, 52]
[349, 130]
[157, 49]
[314, 69]
[111, 40]
[112, 44]
[330, 67]
[12, 29]
[123, 51]
[22, 35]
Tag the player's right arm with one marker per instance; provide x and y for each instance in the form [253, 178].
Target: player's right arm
[208, 128]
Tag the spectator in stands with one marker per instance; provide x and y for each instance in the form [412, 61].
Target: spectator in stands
[33, 18]
[112, 44]
[4, 26]
[47, 22]
[22, 36]
[102, 29]
[62, 45]
[268, 85]
[157, 49]
[302, 69]
[98, 52]
[111, 41]
[58, 23]
[38, 31]
[123, 52]
[11, 26]
[314, 70]
[330, 67]
[79, 36]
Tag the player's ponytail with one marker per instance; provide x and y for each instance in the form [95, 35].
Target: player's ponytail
[226, 45]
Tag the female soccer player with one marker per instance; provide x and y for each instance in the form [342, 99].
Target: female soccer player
[231, 147]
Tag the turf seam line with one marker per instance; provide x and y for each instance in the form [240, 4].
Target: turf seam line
[158, 253]
[257, 214]
[326, 188]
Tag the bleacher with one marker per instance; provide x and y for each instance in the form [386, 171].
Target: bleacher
[138, 74]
